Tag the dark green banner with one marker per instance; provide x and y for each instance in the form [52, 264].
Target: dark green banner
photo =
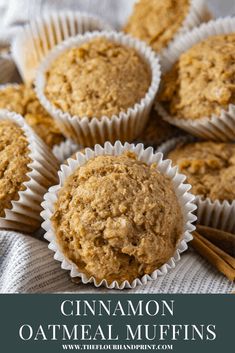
[117, 323]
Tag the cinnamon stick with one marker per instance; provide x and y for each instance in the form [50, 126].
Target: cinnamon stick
[223, 240]
[217, 257]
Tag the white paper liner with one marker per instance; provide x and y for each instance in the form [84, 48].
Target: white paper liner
[38, 37]
[127, 125]
[215, 214]
[65, 150]
[217, 128]
[198, 13]
[146, 155]
[25, 212]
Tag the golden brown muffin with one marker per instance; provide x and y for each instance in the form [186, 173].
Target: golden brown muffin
[14, 160]
[98, 78]
[117, 218]
[157, 130]
[22, 100]
[209, 166]
[157, 21]
[201, 82]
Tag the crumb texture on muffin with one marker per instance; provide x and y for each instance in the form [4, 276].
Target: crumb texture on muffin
[157, 21]
[157, 130]
[98, 78]
[14, 160]
[117, 218]
[209, 167]
[22, 100]
[201, 82]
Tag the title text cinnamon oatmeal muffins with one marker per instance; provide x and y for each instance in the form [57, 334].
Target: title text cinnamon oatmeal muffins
[121, 216]
[22, 100]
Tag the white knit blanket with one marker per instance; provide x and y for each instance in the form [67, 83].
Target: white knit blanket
[26, 263]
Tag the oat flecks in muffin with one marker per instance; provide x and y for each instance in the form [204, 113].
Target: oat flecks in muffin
[14, 160]
[22, 100]
[157, 130]
[201, 82]
[157, 21]
[210, 168]
[117, 218]
[99, 78]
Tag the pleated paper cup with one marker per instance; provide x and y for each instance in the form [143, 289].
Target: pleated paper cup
[65, 150]
[24, 215]
[185, 200]
[198, 13]
[38, 37]
[125, 126]
[216, 214]
[215, 127]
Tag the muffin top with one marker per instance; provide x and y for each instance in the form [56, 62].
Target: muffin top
[201, 82]
[157, 130]
[14, 160]
[157, 21]
[117, 218]
[209, 166]
[99, 78]
[22, 100]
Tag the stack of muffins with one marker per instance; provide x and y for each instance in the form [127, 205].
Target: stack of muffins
[121, 215]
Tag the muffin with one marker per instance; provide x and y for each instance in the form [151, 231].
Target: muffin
[14, 161]
[117, 218]
[157, 22]
[201, 83]
[99, 86]
[27, 169]
[22, 100]
[38, 37]
[157, 130]
[98, 78]
[209, 167]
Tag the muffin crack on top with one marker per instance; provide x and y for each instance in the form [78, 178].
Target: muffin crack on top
[14, 161]
[209, 167]
[157, 22]
[98, 78]
[117, 218]
[201, 82]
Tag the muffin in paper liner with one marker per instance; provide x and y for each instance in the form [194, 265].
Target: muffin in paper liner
[65, 150]
[38, 37]
[198, 13]
[217, 128]
[216, 214]
[24, 215]
[125, 126]
[185, 200]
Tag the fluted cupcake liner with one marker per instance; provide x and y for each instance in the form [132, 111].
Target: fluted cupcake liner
[197, 14]
[215, 127]
[38, 37]
[65, 150]
[216, 214]
[185, 200]
[125, 126]
[24, 215]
